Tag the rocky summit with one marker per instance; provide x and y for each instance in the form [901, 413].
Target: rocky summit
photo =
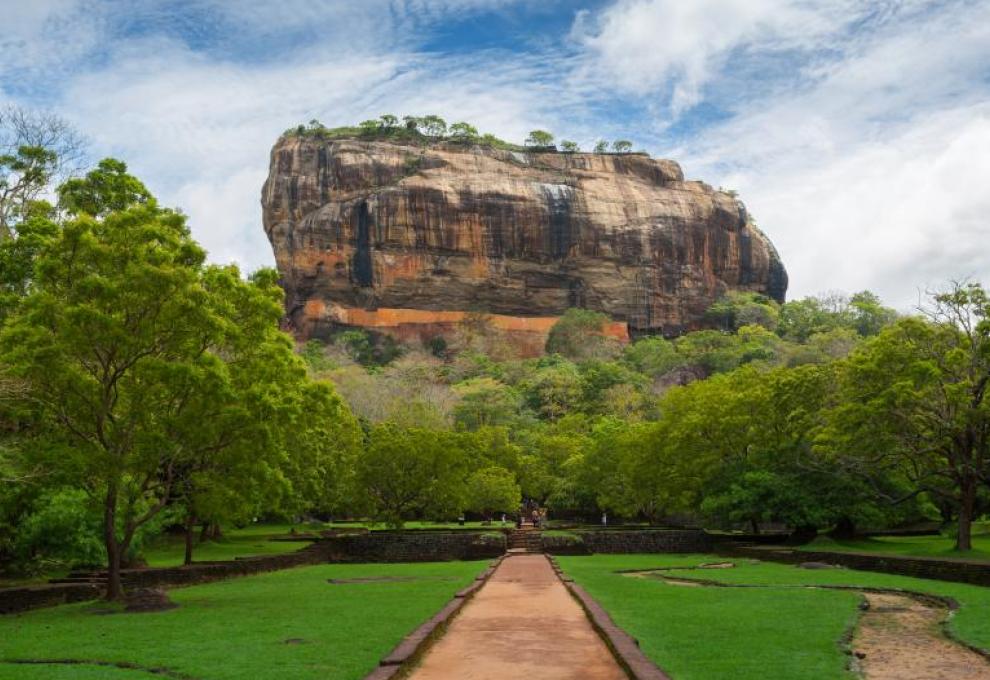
[413, 240]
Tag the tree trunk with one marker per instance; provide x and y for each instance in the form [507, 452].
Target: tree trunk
[190, 526]
[755, 526]
[114, 588]
[204, 534]
[967, 507]
[845, 528]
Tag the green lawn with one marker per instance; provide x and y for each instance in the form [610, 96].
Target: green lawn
[698, 633]
[254, 539]
[914, 546]
[168, 550]
[238, 628]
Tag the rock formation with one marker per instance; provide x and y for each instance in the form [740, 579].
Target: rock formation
[414, 240]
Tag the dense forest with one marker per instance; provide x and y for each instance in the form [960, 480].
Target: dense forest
[142, 389]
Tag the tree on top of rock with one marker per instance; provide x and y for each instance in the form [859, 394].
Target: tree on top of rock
[434, 126]
[539, 138]
[463, 132]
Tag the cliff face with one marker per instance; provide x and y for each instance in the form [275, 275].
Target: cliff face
[412, 241]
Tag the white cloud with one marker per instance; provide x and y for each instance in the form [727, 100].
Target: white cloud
[894, 216]
[645, 45]
[199, 131]
[873, 175]
[857, 133]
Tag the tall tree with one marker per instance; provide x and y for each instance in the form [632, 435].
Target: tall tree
[491, 489]
[36, 149]
[913, 400]
[411, 472]
[109, 341]
[140, 363]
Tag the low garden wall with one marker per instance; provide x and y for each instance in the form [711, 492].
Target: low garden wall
[376, 546]
[412, 546]
[628, 541]
[974, 573]
[14, 600]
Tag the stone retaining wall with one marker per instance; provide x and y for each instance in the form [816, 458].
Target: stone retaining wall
[14, 600]
[399, 546]
[918, 567]
[629, 541]
[204, 572]
[377, 546]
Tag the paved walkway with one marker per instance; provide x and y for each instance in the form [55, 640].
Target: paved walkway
[522, 624]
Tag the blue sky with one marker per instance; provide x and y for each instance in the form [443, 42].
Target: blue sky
[857, 133]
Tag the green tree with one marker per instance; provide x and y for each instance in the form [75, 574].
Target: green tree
[579, 334]
[736, 309]
[388, 121]
[108, 188]
[17, 255]
[412, 122]
[554, 390]
[485, 402]
[800, 319]
[539, 138]
[568, 146]
[491, 489]
[24, 174]
[108, 342]
[266, 437]
[869, 314]
[652, 356]
[463, 132]
[314, 353]
[36, 149]
[434, 126]
[370, 127]
[622, 146]
[406, 473]
[601, 146]
[913, 401]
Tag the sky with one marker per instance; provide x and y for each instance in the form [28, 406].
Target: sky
[856, 132]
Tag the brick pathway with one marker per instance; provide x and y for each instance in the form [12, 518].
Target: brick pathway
[522, 624]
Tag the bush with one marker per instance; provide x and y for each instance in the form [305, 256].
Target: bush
[65, 527]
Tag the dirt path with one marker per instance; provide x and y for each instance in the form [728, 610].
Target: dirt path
[522, 624]
[898, 637]
[901, 638]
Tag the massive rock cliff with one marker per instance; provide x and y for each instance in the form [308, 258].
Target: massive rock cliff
[410, 240]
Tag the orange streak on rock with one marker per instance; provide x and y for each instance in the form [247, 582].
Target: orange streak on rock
[529, 333]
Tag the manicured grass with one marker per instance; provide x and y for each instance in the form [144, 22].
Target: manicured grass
[699, 633]
[239, 628]
[914, 546]
[254, 539]
[169, 550]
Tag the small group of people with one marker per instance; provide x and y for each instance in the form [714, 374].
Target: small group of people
[531, 510]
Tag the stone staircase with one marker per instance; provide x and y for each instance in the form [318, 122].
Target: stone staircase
[525, 540]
